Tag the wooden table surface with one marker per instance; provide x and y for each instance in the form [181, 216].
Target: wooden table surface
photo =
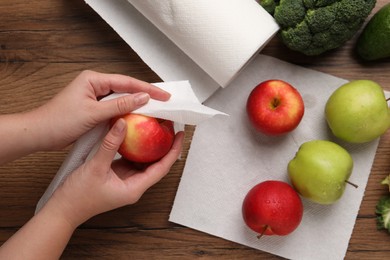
[44, 44]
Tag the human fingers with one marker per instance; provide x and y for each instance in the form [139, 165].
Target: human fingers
[109, 147]
[103, 84]
[158, 170]
[124, 168]
[119, 106]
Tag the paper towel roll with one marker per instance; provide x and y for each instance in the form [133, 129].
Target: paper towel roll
[221, 36]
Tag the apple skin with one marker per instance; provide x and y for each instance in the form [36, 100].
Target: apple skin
[274, 107]
[320, 171]
[272, 208]
[147, 138]
[358, 112]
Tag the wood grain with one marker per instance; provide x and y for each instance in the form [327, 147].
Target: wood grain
[44, 44]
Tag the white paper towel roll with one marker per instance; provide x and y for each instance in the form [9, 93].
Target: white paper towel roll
[221, 36]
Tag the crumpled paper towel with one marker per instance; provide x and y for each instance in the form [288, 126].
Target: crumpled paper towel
[182, 108]
[221, 36]
[169, 61]
[227, 158]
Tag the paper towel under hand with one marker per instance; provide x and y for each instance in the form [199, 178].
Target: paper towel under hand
[221, 36]
[183, 108]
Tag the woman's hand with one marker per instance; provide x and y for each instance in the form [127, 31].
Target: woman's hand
[76, 109]
[101, 185]
[97, 186]
[72, 112]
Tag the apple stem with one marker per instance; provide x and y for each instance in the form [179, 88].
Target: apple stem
[275, 102]
[262, 232]
[351, 183]
[388, 99]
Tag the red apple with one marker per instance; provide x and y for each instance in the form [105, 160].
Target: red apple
[275, 107]
[272, 208]
[147, 139]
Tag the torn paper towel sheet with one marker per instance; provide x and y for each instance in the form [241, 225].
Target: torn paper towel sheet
[183, 108]
[171, 62]
[227, 158]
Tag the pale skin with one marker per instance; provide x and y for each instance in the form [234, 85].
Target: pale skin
[98, 185]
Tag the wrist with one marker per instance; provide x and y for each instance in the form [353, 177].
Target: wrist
[21, 135]
[43, 134]
[61, 212]
[33, 126]
[54, 214]
[65, 203]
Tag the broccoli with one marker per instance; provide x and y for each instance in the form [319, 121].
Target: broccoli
[383, 208]
[383, 213]
[386, 181]
[268, 5]
[315, 26]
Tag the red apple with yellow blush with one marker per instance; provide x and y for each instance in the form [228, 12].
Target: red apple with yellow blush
[275, 107]
[147, 138]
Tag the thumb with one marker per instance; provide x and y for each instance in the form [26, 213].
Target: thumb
[122, 105]
[111, 142]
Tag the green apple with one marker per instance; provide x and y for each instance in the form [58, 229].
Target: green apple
[320, 171]
[357, 112]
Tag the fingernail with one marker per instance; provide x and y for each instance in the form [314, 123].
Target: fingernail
[166, 93]
[119, 126]
[141, 98]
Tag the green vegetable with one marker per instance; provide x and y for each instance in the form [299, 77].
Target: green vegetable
[268, 5]
[383, 208]
[373, 43]
[315, 26]
[383, 213]
[386, 181]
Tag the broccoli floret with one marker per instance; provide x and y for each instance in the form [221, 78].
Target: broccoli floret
[383, 213]
[268, 5]
[289, 13]
[315, 26]
[386, 181]
[318, 3]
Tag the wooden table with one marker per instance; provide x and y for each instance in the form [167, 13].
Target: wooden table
[45, 44]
